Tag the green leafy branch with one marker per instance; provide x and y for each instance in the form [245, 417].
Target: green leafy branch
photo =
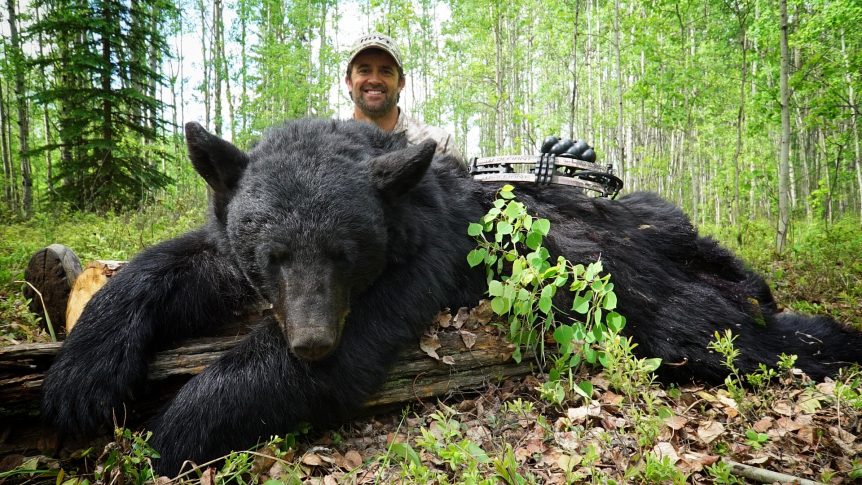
[523, 281]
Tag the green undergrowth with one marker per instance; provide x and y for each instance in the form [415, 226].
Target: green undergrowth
[820, 272]
[591, 413]
[93, 236]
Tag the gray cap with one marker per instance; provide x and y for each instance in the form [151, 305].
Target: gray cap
[375, 41]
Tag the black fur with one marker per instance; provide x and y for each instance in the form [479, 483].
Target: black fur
[357, 253]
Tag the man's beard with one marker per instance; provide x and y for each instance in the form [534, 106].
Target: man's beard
[389, 102]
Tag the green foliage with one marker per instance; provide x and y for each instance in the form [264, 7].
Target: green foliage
[722, 473]
[754, 439]
[128, 458]
[523, 282]
[116, 236]
[110, 143]
[821, 264]
[465, 461]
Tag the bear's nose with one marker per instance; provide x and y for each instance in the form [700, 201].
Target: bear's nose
[313, 344]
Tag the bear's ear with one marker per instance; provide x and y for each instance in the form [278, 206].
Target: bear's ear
[395, 173]
[219, 162]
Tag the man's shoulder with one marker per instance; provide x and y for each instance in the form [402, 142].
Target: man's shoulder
[418, 131]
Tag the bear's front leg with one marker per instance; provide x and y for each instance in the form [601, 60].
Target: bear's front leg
[167, 292]
[260, 389]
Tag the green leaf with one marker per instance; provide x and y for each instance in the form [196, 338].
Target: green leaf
[534, 240]
[406, 453]
[542, 225]
[615, 321]
[513, 209]
[506, 195]
[651, 365]
[476, 257]
[549, 291]
[477, 452]
[474, 229]
[610, 301]
[545, 304]
[564, 334]
[516, 355]
[585, 388]
[581, 305]
[504, 227]
[604, 359]
[495, 288]
[498, 304]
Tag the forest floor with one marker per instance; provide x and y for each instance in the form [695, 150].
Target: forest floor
[512, 432]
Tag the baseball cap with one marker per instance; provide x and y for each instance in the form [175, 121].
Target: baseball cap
[375, 41]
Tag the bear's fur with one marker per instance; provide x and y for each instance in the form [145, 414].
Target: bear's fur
[357, 240]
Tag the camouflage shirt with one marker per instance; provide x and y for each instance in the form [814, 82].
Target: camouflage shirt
[417, 132]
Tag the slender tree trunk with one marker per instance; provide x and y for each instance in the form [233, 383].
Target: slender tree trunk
[225, 74]
[498, 77]
[49, 165]
[243, 26]
[206, 62]
[854, 122]
[620, 134]
[217, 60]
[573, 105]
[740, 123]
[6, 154]
[23, 111]
[784, 157]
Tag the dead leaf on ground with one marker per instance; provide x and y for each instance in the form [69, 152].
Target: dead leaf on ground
[461, 318]
[352, 459]
[567, 440]
[808, 435]
[482, 313]
[312, 459]
[208, 477]
[762, 425]
[709, 431]
[579, 415]
[429, 344]
[469, 338]
[664, 449]
[758, 459]
[448, 360]
[787, 425]
[694, 462]
[676, 423]
[783, 408]
[444, 319]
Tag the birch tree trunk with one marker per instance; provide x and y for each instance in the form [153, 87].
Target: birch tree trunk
[784, 156]
[23, 113]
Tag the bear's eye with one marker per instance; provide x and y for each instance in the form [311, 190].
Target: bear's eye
[280, 258]
[278, 255]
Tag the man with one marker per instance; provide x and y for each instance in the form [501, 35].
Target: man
[375, 78]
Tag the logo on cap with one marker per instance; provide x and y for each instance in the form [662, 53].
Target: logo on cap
[376, 41]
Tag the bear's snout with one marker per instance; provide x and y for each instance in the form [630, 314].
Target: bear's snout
[313, 343]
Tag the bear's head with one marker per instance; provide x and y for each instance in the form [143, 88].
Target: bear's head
[304, 215]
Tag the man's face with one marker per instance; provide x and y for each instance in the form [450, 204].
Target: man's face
[374, 83]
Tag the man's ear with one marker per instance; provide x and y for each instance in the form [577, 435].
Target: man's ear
[395, 173]
[219, 162]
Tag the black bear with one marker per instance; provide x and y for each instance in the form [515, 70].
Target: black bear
[357, 240]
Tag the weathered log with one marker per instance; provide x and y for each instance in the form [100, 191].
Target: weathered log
[415, 376]
[86, 284]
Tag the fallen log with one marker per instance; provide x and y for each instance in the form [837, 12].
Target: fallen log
[460, 367]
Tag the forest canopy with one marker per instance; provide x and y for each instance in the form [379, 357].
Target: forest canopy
[683, 98]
